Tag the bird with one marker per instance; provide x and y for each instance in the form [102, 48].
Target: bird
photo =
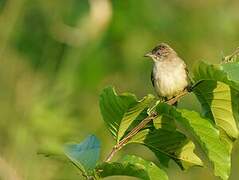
[169, 75]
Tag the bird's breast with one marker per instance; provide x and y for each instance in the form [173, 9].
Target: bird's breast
[169, 78]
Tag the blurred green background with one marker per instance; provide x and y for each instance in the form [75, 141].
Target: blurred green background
[56, 57]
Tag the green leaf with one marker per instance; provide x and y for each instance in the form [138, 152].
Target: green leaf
[218, 104]
[203, 132]
[84, 155]
[119, 111]
[232, 71]
[132, 166]
[166, 142]
[226, 73]
[113, 107]
[133, 113]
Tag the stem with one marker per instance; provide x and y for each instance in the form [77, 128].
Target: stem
[112, 153]
[175, 99]
[133, 132]
[140, 126]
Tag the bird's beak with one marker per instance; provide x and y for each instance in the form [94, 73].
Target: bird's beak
[149, 54]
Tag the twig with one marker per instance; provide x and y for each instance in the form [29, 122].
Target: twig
[112, 153]
[230, 58]
[140, 126]
[175, 99]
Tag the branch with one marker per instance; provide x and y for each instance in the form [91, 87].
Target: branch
[140, 126]
[133, 132]
[175, 99]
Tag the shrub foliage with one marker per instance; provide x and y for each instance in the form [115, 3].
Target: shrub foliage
[169, 132]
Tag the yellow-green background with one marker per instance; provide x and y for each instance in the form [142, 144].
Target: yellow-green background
[56, 56]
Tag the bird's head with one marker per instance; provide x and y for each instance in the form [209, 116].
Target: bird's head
[160, 52]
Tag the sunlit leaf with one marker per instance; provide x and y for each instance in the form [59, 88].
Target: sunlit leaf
[232, 70]
[113, 107]
[204, 133]
[133, 113]
[226, 73]
[217, 104]
[168, 143]
[132, 166]
[119, 111]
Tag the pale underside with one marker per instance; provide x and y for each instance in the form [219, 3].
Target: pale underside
[169, 77]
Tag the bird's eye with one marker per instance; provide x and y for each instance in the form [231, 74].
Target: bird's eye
[158, 53]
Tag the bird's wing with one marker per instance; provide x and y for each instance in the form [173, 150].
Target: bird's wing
[189, 79]
[152, 78]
